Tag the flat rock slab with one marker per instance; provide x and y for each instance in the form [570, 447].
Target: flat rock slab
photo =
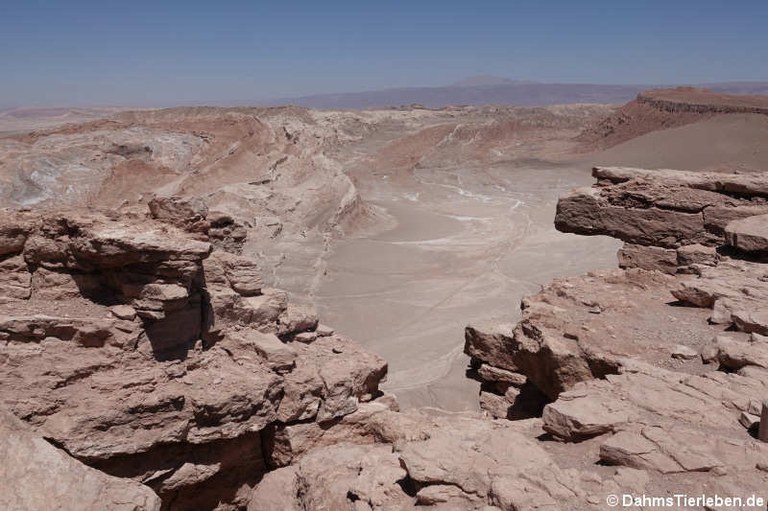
[748, 234]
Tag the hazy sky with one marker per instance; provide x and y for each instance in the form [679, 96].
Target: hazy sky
[138, 52]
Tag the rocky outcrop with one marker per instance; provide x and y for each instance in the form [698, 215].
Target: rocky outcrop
[702, 101]
[193, 215]
[428, 459]
[144, 353]
[569, 332]
[662, 208]
[675, 246]
[749, 234]
[618, 372]
[665, 422]
[659, 366]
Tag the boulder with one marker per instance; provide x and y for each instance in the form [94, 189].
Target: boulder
[186, 213]
[749, 234]
[277, 355]
[577, 416]
[735, 353]
[123, 312]
[297, 318]
[648, 258]
[265, 310]
[696, 254]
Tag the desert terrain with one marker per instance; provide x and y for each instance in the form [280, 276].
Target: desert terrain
[287, 308]
[404, 223]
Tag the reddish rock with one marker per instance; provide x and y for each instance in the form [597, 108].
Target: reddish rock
[35, 475]
[648, 258]
[15, 279]
[159, 364]
[662, 208]
[749, 234]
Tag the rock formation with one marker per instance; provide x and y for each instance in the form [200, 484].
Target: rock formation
[659, 366]
[666, 395]
[146, 354]
[434, 460]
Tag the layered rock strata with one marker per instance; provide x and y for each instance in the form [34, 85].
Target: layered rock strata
[148, 355]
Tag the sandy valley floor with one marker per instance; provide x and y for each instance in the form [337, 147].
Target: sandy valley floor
[467, 243]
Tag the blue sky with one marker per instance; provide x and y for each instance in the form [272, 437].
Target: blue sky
[173, 52]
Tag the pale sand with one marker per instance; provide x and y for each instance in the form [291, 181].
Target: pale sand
[727, 141]
[467, 246]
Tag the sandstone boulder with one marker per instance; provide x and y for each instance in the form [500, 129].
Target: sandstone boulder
[690, 255]
[648, 258]
[749, 234]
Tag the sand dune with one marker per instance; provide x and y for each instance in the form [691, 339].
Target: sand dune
[726, 141]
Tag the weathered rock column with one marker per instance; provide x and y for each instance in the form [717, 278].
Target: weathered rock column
[763, 432]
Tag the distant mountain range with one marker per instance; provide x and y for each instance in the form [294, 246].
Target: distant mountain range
[491, 90]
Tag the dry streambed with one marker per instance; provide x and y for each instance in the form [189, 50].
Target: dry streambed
[467, 244]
